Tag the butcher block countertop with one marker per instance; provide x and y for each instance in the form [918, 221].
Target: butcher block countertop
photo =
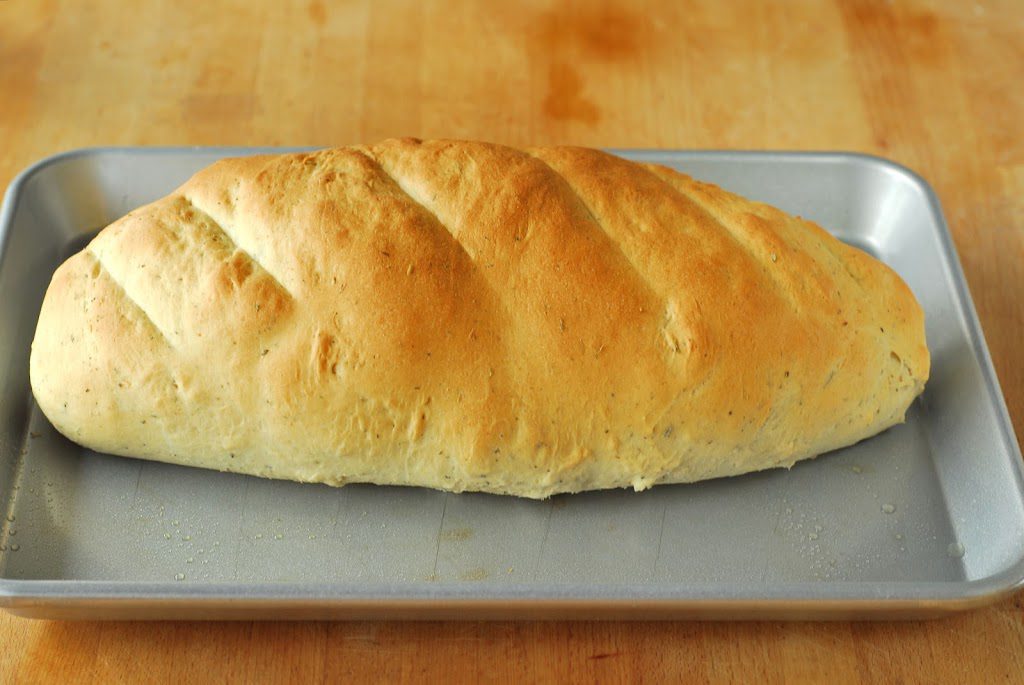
[935, 86]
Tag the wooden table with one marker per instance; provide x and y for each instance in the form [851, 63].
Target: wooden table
[936, 86]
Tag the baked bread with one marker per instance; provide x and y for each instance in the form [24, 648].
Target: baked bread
[467, 316]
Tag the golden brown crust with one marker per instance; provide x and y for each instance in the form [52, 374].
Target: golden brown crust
[468, 316]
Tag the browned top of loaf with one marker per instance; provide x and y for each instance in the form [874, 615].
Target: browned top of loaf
[480, 316]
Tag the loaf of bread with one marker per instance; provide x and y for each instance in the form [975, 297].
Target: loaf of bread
[467, 316]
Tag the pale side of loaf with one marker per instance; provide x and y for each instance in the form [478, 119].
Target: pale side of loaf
[467, 316]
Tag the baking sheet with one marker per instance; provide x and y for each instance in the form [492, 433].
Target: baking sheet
[925, 519]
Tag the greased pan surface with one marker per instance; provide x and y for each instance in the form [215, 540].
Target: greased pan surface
[924, 519]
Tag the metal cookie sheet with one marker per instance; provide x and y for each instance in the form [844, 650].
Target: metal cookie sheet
[924, 519]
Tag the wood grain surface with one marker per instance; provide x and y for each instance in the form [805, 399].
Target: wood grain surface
[933, 85]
